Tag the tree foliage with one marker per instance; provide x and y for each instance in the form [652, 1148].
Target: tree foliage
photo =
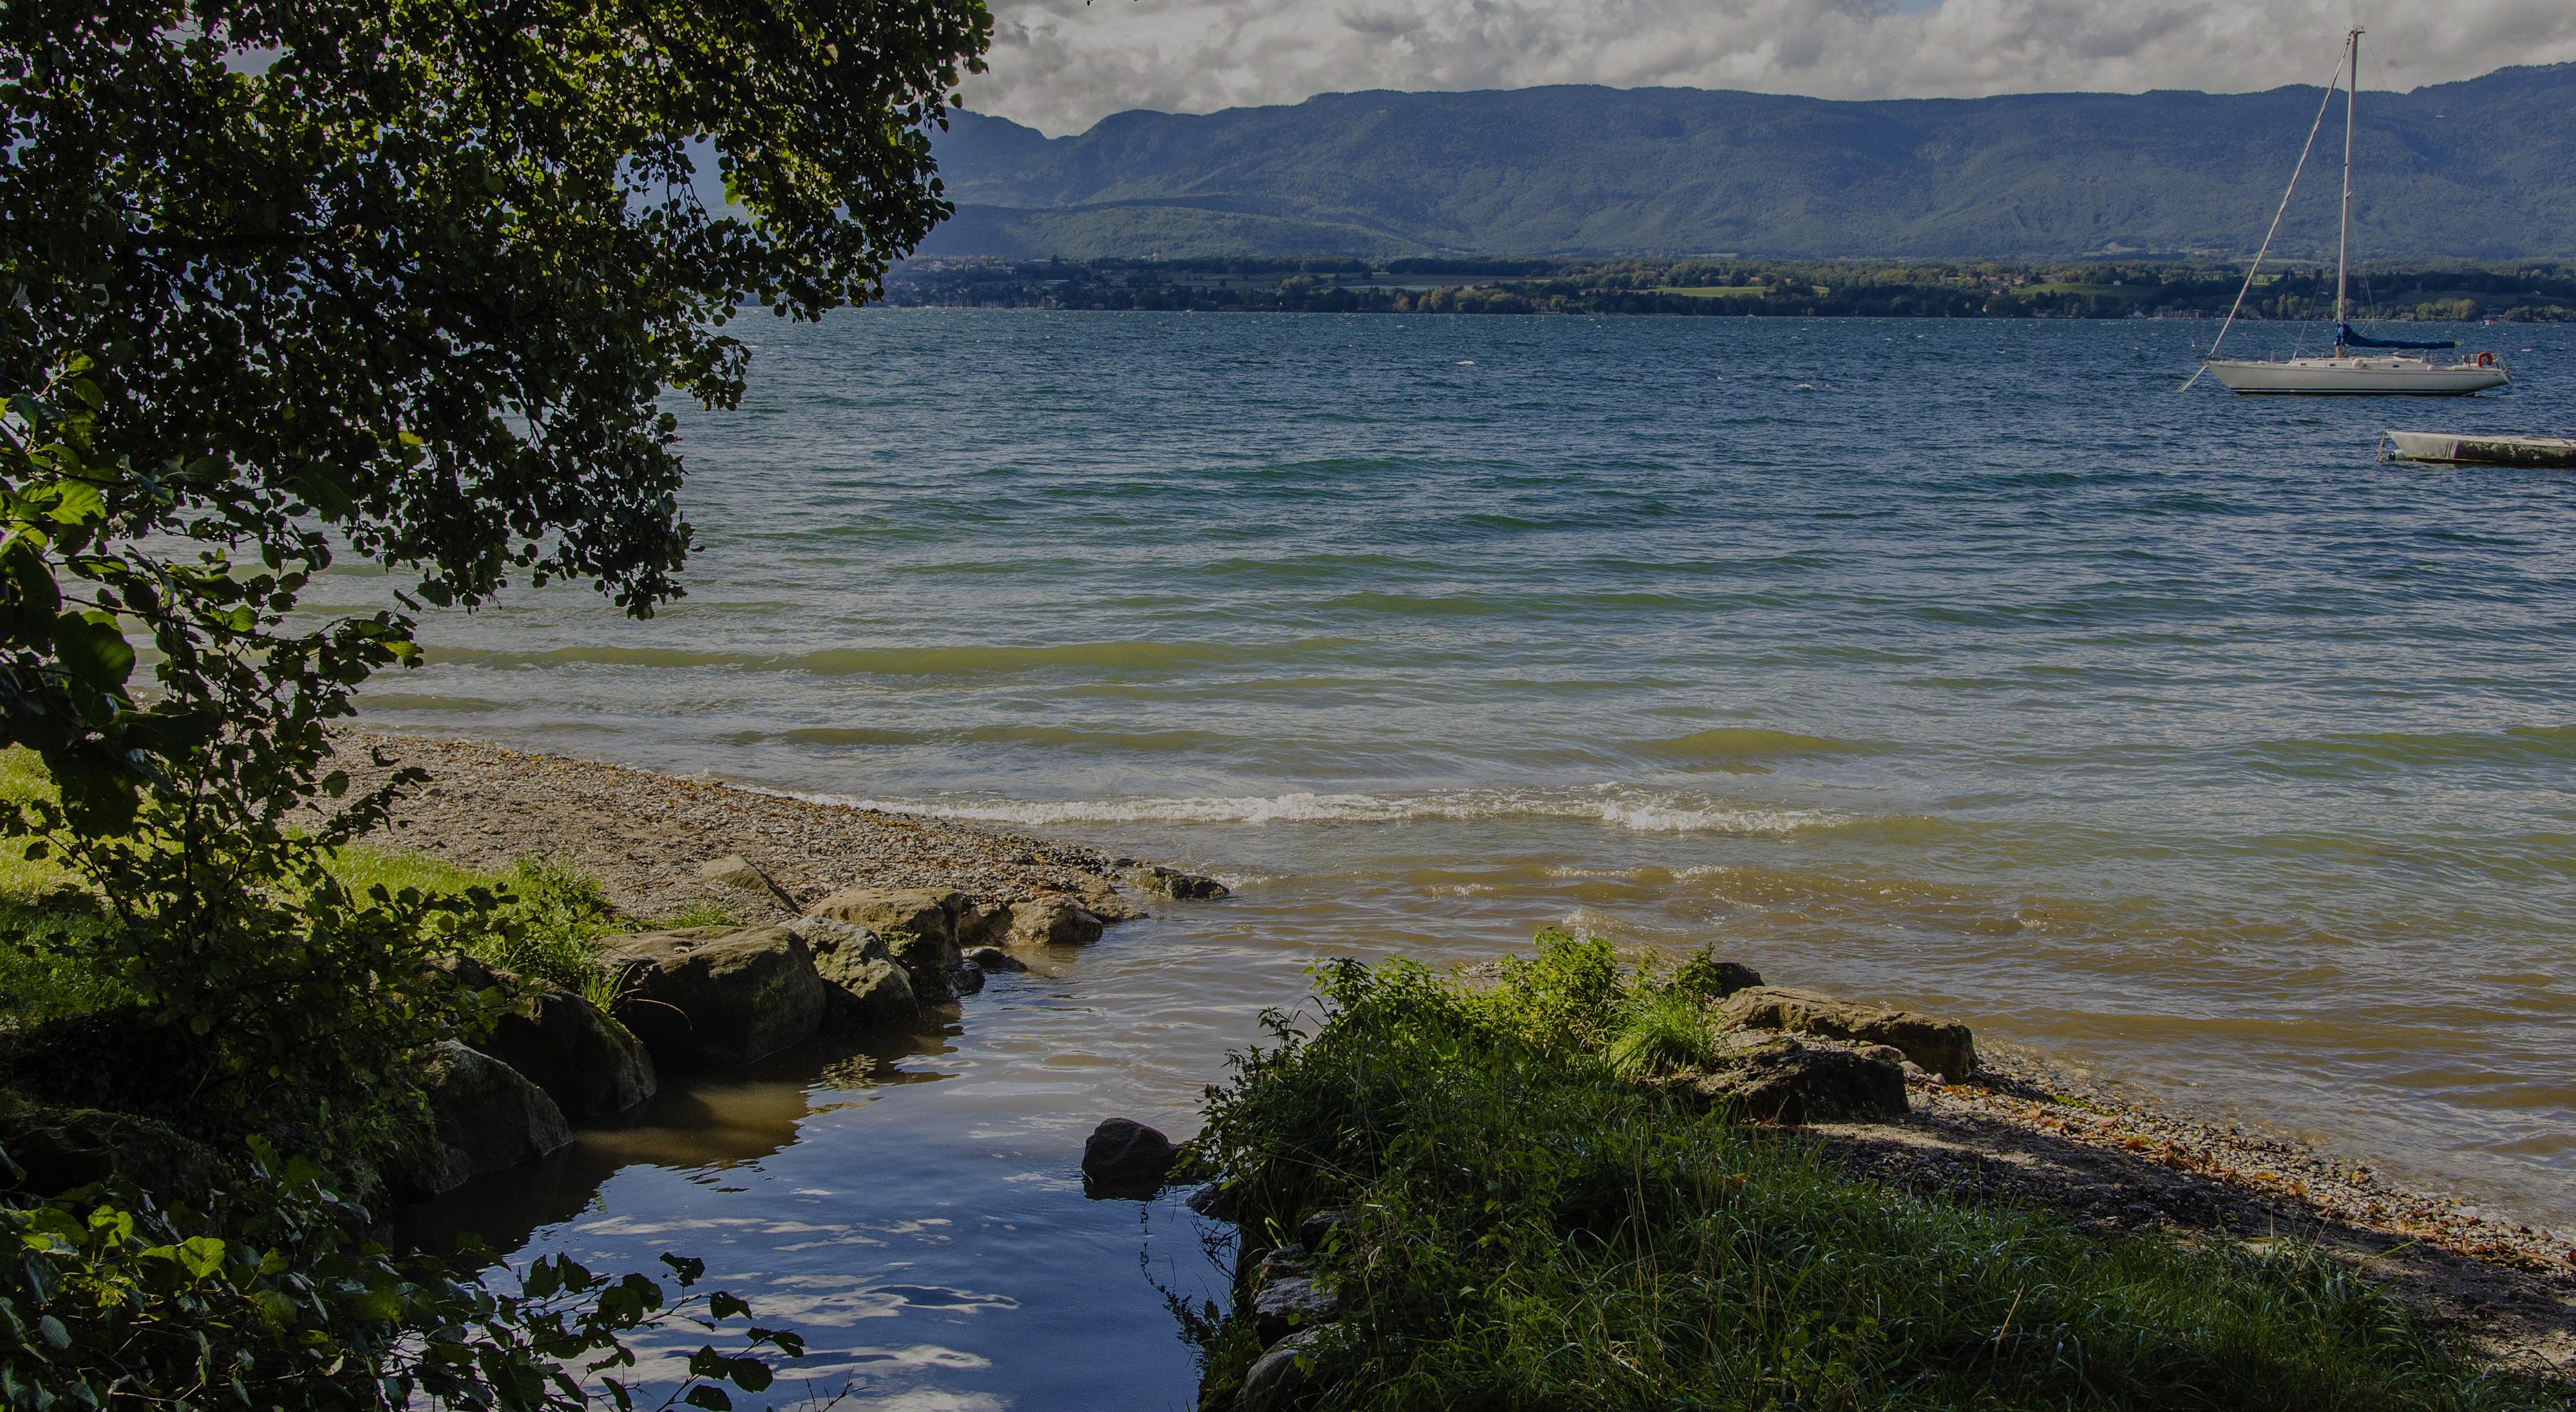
[283, 284]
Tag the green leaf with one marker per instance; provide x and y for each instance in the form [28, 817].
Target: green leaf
[710, 1397]
[201, 1255]
[90, 648]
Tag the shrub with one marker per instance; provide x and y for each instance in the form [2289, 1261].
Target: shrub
[1531, 1232]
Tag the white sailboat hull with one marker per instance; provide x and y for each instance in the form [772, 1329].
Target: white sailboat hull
[2357, 377]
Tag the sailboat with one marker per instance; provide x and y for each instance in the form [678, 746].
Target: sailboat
[2360, 365]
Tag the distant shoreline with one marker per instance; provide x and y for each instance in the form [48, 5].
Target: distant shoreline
[2099, 288]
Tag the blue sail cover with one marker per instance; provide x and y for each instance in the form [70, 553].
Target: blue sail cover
[2349, 339]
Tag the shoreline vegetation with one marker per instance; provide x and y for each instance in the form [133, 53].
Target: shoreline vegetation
[2310, 1264]
[2518, 292]
[1644, 1227]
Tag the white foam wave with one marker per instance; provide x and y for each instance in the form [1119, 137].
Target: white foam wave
[1643, 811]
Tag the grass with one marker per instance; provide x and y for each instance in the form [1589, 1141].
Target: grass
[1530, 1231]
[553, 927]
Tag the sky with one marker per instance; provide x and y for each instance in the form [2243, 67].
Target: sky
[1061, 65]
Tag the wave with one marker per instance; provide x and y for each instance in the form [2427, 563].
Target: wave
[2372, 752]
[1643, 811]
[1750, 743]
[949, 661]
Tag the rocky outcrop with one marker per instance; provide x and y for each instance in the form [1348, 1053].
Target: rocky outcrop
[994, 958]
[1053, 920]
[1784, 1079]
[1124, 1157]
[588, 1063]
[1944, 1047]
[918, 926]
[717, 997]
[485, 1117]
[1155, 880]
[869, 991]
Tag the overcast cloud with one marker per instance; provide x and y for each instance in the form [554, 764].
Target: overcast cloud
[1061, 65]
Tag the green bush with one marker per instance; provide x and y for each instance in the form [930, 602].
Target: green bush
[275, 1301]
[1531, 1232]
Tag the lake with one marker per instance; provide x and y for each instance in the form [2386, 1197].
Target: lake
[1964, 665]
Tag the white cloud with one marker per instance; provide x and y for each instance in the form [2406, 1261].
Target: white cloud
[1061, 65]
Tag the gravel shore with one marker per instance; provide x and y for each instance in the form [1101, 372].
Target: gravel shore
[2023, 1133]
[645, 835]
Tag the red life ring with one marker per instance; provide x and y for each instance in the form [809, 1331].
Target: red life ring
[2486, 360]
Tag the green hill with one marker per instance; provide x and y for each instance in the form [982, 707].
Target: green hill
[2482, 169]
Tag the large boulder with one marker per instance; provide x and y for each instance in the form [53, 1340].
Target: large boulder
[1053, 920]
[918, 926]
[587, 1062]
[869, 991]
[1787, 1080]
[717, 997]
[485, 1117]
[1124, 1157]
[1943, 1046]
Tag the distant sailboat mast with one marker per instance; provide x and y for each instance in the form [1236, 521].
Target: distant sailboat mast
[2343, 237]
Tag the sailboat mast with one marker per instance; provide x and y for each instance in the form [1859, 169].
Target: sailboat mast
[2343, 239]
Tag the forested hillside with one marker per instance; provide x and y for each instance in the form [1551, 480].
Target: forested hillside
[2483, 169]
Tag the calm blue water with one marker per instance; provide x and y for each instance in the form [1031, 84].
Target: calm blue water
[1963, 664]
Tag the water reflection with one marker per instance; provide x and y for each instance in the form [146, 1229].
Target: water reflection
[913, 1207]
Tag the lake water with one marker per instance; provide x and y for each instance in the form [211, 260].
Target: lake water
[1963, 665]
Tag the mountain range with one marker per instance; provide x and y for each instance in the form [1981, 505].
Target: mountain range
[2481, 169]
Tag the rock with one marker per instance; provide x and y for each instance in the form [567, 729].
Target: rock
[966, 978]
[1783, 1079]
[587, 1062]
[1708, 978]
[994, 958]
[1280, 1377]
[982, 924]
[1321, 1228]
[1053, 921]
[868, 990]
[1943, 1046]
[486, 1117]
[1155, 880]
[718, 997]
[1286, 1295]
[1216, 1201]
[918, 926]
[1124, 1157]
[1101, 898]
[57, 1148]
[736, 871]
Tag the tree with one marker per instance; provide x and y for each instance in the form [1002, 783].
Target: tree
[397, 278]
[406, 278]
[282, 280]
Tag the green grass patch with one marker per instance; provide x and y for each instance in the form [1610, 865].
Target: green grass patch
[1527, 1230]
[553, 926]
